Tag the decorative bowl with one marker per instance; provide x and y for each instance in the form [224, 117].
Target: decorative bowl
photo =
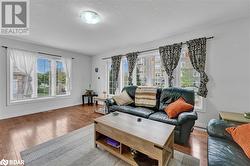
[247, 115]
[88, 92]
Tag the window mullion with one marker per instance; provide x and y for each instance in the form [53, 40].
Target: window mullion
[35, 80]
[53, 78]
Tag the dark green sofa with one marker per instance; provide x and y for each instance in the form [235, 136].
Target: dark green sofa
[183, 124]
[222, 150]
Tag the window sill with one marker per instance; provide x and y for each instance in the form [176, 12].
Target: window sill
[199, 110]
[37, 100]
[110, 95]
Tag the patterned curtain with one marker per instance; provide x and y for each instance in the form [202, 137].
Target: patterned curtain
[131, 57]
[115, 67]
[197, 54]
[170, 56]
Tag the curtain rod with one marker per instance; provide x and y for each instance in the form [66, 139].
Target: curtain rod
[37, 52]
[154, 49]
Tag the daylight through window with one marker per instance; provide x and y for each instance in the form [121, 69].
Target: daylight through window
[35, 76]
[150, 72]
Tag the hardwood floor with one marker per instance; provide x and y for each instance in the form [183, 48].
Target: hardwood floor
[196, 147]
[20, 133]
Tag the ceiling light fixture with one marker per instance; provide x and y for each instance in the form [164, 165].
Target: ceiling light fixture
[90, 17]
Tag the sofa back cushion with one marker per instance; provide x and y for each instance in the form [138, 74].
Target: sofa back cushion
[169, 95]
[130, 90]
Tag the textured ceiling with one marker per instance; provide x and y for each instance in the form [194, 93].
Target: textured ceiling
[57, 23]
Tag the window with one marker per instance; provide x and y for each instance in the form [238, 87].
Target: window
[111, 86]
[35, 76]
[61, 86]
[160, 76]
[124, 70]
[18, 87]
[188, 78]
[150, 72]
[43, 77]
[141, 76]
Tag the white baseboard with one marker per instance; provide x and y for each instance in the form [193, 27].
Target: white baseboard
[13, 115]
[200, 125]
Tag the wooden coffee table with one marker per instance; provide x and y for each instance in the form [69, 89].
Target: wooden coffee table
[152, 138]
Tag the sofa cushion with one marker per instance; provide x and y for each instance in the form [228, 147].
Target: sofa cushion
[130, 90]
[225, 152]
[123, 99]
[241, 135]
[163, 117]
[145, 96]
[177, 107]
[138, 111]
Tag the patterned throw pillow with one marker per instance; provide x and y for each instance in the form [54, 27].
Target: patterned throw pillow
[145, 96]
[123, 99]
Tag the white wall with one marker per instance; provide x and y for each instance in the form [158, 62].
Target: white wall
[81, 74]
[228, 66]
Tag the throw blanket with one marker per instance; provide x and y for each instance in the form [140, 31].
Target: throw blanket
[145, 96]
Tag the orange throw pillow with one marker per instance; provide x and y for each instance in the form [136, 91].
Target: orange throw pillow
[241, 135]
[177, 107]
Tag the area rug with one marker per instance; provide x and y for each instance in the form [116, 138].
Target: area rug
[77, 149]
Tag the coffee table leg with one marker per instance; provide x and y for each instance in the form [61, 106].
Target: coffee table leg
[172, 145]
[167, 153]
[95, 134]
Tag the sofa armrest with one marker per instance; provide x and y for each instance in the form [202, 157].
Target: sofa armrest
[216, 128]
[110, 102]
[186, 116]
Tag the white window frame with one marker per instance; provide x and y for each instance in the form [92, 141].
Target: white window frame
[36, 99]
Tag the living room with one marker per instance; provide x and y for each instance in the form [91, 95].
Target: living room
[125, 82]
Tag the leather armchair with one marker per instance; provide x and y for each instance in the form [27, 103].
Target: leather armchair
[222, 150]
[216, 128]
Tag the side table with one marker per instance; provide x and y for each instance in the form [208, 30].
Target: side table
[89, 97]
[103, 110]
[234, 117]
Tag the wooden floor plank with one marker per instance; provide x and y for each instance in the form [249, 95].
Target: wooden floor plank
[20, 133]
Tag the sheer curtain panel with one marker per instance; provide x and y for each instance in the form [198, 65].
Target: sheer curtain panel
[24, 62]
[68, 68]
